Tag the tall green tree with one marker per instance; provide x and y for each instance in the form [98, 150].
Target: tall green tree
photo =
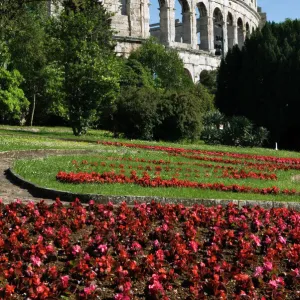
[28, 54]
[164, 64]
[81, 42]
[13, 103]
[261, 81]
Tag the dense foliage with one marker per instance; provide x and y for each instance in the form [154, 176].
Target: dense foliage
[261, 82]
[72, 75]
[232, 131]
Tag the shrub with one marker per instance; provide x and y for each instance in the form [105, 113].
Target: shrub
[181, 117]
[235, 131]
[136, 113]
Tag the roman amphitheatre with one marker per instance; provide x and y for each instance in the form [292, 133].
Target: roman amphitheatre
[103, 217]
[206, 30]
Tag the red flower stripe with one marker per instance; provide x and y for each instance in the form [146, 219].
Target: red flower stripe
[228, 172]
[277, 160]
[146, 181]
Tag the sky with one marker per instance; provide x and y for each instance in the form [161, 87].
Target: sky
[277, 10]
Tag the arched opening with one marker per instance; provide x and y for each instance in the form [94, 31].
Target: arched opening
[240, 28]
[253, 30]
[188, 73]
[203, 75]
[218, 31]
[247, 30]
[183, 28]
[202, 26]
[159, 20]
[123, 8]
[230, 30]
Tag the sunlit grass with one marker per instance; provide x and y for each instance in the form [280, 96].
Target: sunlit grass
[43, 172]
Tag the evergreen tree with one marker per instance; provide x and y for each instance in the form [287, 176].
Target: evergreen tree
[261, 81]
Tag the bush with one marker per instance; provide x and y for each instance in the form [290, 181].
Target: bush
[181, 117]
[136, 113]
[235, 131]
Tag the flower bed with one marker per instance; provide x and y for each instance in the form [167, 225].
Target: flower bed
[187, 172]
[149, 250]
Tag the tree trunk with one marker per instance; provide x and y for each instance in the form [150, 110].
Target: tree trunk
[33, 109]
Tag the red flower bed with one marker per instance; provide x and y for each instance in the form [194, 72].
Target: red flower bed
[147, 181]
[148, 251]
[276, 160]
[228, 171]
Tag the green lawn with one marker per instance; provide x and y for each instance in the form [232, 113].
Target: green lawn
[43, 172]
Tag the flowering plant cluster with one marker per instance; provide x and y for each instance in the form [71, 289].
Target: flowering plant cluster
[186, 168]
[149, 250]
[147, 181]
[263, 158]
[157, 166]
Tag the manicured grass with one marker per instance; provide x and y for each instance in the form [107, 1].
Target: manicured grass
[43, 172]
[24, 138]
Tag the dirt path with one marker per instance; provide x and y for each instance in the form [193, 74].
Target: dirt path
[8, 190]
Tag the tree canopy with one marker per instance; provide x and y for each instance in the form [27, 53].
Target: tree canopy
[261, 81]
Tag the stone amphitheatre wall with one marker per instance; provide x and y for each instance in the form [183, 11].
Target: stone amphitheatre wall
[207, 30]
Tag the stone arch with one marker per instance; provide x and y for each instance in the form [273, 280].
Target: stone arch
[230, 30]
[202, 27]
[240, 29]
[123, 7]
[183, 27]
[248, 33]
[159, 29]
[188, 73]
[202, 74]
[218, 30]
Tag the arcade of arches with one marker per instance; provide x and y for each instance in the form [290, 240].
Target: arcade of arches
[200, 30]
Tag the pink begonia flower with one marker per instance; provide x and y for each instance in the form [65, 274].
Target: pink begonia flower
[76, 250]
[268, 266]
[156, 288]
[165, 227]
[40, 239]
[160, 254]
[49, 231]
[268, 240]
[121, 297]
[102, 248]
[273, 284]
[156, 244]
[50, 248]
[295, 273]
[125, 287]
[256, 239]
[194, 245]
[136, 246]
[89, 289]
[258, 271]
[35, 260]
[87, 257]
[282, 240]
[64, 281]
[280, 281]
